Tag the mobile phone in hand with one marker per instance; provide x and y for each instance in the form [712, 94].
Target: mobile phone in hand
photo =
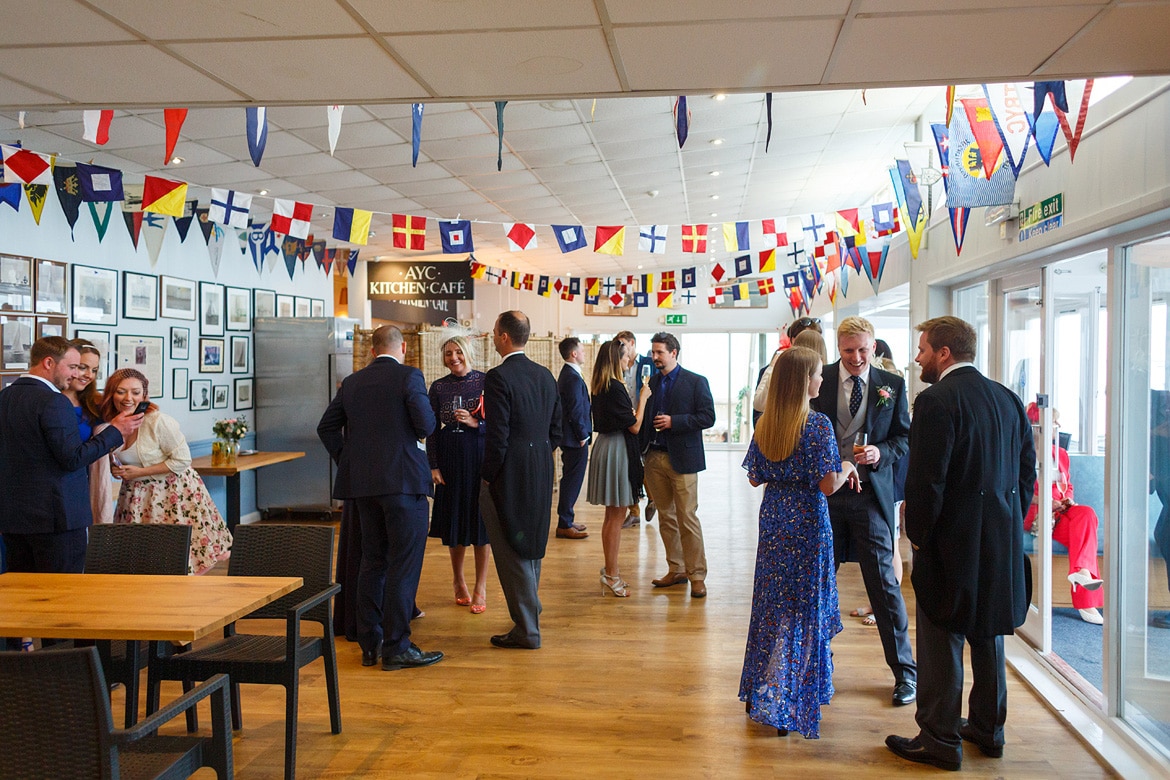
[142, 407]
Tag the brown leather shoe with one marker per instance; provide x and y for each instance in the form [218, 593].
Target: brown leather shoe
[570, 533]
[668, 579]
[698, 589]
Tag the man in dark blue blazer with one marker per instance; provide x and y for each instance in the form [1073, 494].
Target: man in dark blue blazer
[673, 448]
[44, 504]
[373, 430]
[576, 430]
[522, 416]
[860, 398]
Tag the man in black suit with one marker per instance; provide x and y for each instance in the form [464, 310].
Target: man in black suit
[44, 506]
[576, 430]
[860, 398]
[971, 478]
[522, 417]
[373, 430]
[673, 447]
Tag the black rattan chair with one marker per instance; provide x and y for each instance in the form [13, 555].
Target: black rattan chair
[131, 548]
[304, 551]
[56, 722]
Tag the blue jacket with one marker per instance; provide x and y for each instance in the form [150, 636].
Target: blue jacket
[691, 410]
[576, 413]
[43, 461]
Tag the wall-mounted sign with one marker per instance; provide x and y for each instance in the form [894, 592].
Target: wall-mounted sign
[391, 281]
[1041, 217]
[676, 319]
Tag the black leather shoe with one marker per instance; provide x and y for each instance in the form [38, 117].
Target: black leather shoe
[411, 658]
[913, 750]
[509, 642]
[905, 693]
[371, 657]
[968, 734]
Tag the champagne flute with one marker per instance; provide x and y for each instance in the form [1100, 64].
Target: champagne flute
[457, 403]
[645, 372]
[859, 443]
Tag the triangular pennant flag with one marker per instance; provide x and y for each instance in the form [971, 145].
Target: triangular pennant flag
[950, 99]
[942, 141]
[305, 249]
[682, 120]
[768, 105]
[183, 226]
[982, 125]
[1043, 88]
[256, 233]
[256, 125]
[36, 194]
[205, 223]
[154, 230]
[959, 227]
[96, 126]
[1077, 93]
[215, 246]
[1044, 130]
[101, 221]
[416, 117]
[875, 265]
[24, 167]
[174, 119]
[133, 225]
[334, 115]
[967, 183]
[570, 238]
[68, 188]
[906, 183]
[500, 133]
[10, 194]
[319, 252]
[1007, 108]
[351, 260]
[164, 196]
[289, 248]
[609, 240]
[330, 256]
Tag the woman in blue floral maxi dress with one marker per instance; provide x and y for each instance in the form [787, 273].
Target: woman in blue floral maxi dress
[788, 666]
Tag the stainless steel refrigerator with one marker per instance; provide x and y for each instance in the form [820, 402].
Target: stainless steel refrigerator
[299, 365]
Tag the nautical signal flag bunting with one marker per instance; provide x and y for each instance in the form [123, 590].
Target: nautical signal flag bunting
[164, 196]
[410, 232]
[352, 225]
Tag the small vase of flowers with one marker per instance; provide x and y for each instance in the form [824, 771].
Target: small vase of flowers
[228, 433]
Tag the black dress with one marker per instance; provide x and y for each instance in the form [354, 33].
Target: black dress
[457, 452]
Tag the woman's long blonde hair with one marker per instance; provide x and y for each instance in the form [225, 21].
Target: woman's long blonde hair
[607, 366]
[786, 409]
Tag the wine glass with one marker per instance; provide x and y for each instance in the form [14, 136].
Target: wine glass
[457, 403]
[645, 372]
[859, 443]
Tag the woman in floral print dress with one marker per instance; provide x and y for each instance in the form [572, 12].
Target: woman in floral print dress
[158, 483]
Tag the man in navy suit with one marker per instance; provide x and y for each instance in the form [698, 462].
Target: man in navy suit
[576, 430]
[373, 430]
[860, 398]
[673, 448]
[44, 505]
[522, 416]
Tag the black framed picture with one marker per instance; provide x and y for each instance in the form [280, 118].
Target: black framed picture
[179, 379]
[139, 296]
[318, 307]
[263, 303]
[219, 396]
[95, 296]
[239, 308]
[200, 399]
[18, 335]
[50, 297]
[16, 283]
[177, 298]
[211, 356]
[180, 343]
[284, 306]
[239, 356]
[303, 307]
[243, 394]
[211, 313]
[144, 353]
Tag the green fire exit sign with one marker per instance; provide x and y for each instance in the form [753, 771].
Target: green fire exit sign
[676, 319]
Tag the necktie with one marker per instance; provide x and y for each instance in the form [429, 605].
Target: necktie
[855, 397]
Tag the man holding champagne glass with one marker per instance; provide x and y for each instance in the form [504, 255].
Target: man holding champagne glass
[871, 419]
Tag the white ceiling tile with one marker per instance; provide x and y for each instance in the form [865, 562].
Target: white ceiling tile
[472, 165]
[376, 156]
[348, 179]
[57, 22]
[395, 174]
[167, 19]
[500, 179]
[302, 165]
[1126, 39]
[569, 136]
[547, 113]
[442, 15]
[650, 11]
[543, 158]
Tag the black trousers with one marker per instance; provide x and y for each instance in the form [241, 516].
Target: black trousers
[573, 468]
[394, 534]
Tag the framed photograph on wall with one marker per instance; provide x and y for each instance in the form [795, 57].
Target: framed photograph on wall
[239, 308]
[243, 394]
[51, 326]
[7, 379]
[211, 356]
[144, 353]
[303, 307]
[284, 306]
[318, 308]
[177, 298]
[139, 296]
[16, 283]
[101, 340]
[211, 314]
[219, 396]
[95, 296]
[263, 303]
[179, 379]
[200, 400]
[17, 335]
[180, 343]
[51, 288]
[239, 358]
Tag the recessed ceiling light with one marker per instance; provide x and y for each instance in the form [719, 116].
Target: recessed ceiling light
[714, 214]
[176, 160]
[713, 173]
[720, 96]
[639, 266]
[716, 141]
[263, 192]
[373, 233]
[323, 214]
[714, 197]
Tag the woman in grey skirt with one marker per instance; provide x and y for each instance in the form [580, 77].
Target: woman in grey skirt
[615, 465]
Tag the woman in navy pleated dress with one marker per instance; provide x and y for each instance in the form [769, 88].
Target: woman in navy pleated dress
[788, 667]
[455, 451]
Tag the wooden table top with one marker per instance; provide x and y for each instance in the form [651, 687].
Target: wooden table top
[172, 608]
[243, 463]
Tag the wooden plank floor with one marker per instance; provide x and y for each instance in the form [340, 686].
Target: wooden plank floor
[642, 687]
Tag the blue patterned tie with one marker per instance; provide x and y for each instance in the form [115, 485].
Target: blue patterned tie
[855, 397]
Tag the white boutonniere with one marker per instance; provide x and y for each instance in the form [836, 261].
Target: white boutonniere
[885, 396]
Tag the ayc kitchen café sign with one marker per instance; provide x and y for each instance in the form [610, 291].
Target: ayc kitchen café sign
[449, 281]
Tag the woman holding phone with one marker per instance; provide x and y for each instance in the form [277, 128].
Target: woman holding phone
[158, 483]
